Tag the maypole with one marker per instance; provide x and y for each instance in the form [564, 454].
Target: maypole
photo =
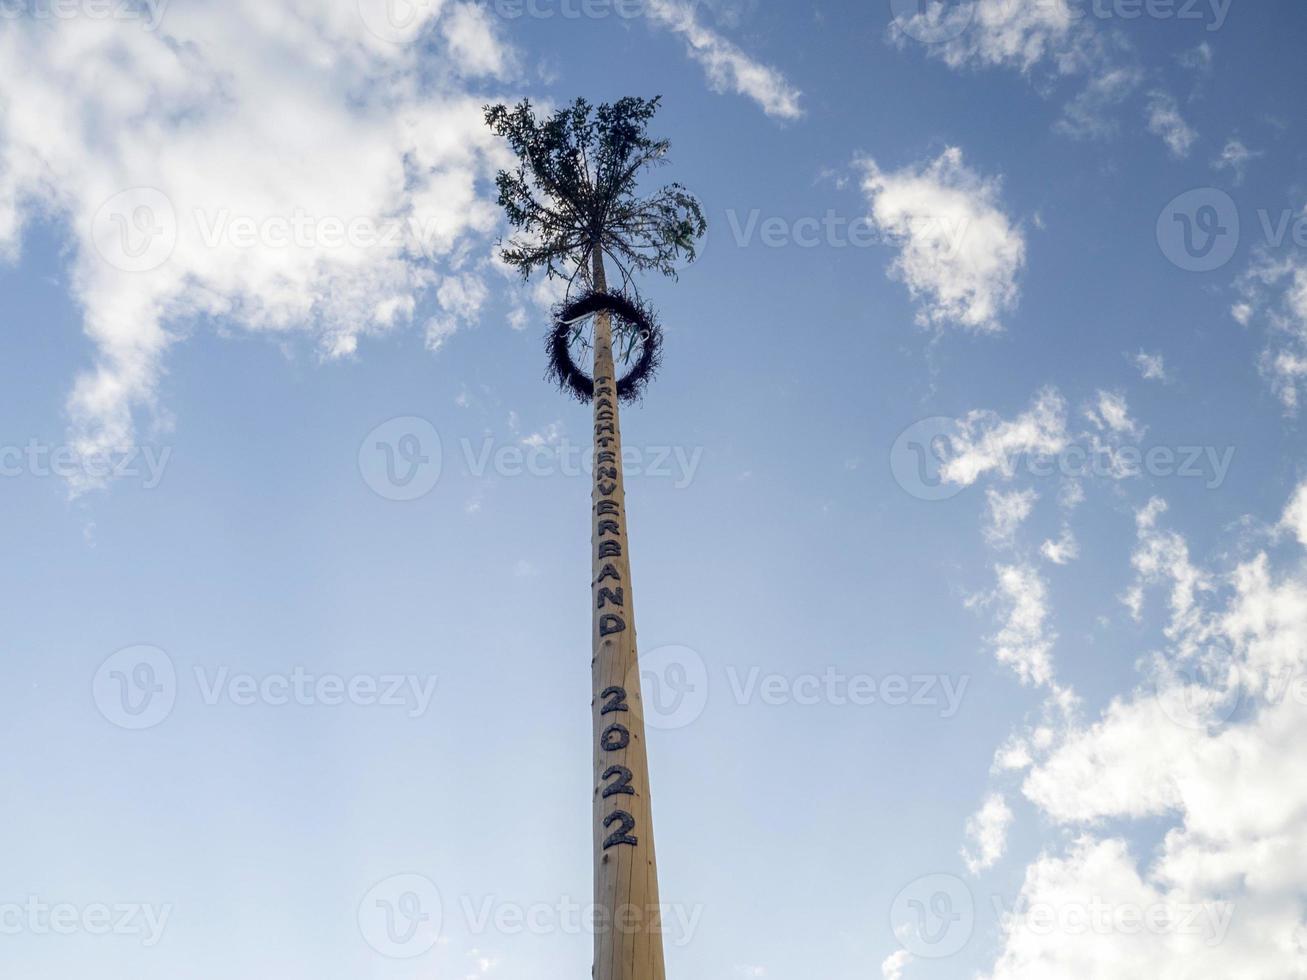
[629, 945]
[573, 195]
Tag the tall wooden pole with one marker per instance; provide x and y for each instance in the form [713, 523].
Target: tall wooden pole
[628, 930]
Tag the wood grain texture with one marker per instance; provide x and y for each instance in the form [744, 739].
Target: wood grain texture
[628, 935]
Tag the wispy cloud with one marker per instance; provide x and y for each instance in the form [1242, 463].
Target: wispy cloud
[987, 834]
[1235, 157]
[1164, 120]
[728, 67]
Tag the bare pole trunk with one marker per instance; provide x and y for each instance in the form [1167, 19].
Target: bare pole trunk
[628, 931]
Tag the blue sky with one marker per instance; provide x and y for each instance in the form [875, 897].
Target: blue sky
[967, 514]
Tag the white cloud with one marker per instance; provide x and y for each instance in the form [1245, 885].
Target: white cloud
[1164, 120]
[1111, 414]
[1152, 367]
[1295, 515]
[1198, 58]
[470, 32]
[892, 968]
[550, 435]
[461, 298]
[1025, 640]
[297, 176]
[1002, 33]
[1235, 157]
[1209, 742]
[1274, 290]
[1064, 550]
[987, 831]
[984, 442]
[959, 253]
[1007, 510]
[1089, 114]
[727, 66]
[1071, 495]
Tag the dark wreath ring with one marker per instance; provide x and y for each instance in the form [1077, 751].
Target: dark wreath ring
[632, 319]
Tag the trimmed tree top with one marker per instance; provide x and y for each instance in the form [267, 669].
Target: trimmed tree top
[574, 191]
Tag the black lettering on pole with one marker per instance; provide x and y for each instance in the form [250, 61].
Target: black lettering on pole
[622, 835]
[610, 549]
[610, 624]
[609, 572]
[615, 738]
[623, 785]
[609, 527]
[616, 700]
[607, 508]
[606, 458]
[616, 597]
[607, 489]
